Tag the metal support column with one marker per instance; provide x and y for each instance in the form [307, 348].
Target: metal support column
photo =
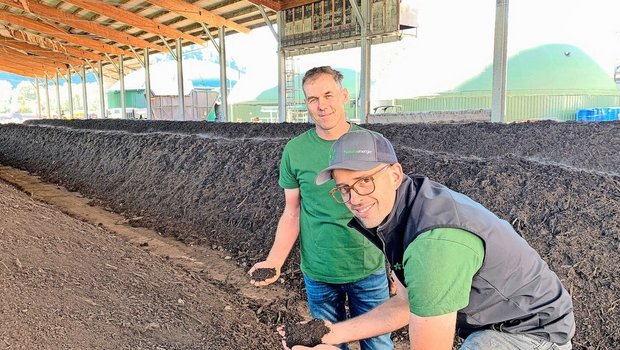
[281, 71]
[47, 97]
[58, 95]
[121, 78]
[147, 83]
[70, 92]
[84, 93]
[281, 61]
[223, 78]
[38, 92]
[365, 61]
[498, 104]
[179, 58]
[101, 90]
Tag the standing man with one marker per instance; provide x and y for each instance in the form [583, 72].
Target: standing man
[464, 268]
[337, 263]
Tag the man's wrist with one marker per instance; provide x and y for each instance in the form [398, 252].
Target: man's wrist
[275, 262]
[334, 337]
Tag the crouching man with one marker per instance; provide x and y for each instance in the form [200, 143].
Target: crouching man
[458, 265]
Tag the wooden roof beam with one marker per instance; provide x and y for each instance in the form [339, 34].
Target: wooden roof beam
[272, 4]
[287, 4]
[18, 57]
[198, 14]
[39, 51]
[20, 67]
[134, 20]
[7, 59]
[63, 48]
[22, 62]
[52, 31]
[81, 24]
[20, 71]
[25, 57]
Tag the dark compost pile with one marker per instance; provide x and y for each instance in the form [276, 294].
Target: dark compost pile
[216, 184]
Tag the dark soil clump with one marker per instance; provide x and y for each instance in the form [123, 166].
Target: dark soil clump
[263, 274]
[306, 334]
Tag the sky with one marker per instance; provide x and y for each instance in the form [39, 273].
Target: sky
[454, 42]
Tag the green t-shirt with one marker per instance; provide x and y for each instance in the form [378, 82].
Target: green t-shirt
[331, 252]
[439, 267]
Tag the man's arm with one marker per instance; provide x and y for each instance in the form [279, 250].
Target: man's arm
[387, 317]
[439, 266]
[425, 333]
[432, 333]
[286, 235]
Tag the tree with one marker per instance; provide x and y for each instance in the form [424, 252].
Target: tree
[24, 98]
[6, 90]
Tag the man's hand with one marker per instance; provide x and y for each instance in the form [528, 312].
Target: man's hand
[264, 265]
[304, 332]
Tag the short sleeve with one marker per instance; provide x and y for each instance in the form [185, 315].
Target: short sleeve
[439, 267]
[287, 179]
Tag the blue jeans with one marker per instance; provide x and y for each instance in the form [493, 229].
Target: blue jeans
[492, 339]
[327, 302]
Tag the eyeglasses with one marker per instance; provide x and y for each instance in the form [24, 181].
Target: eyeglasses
[363, 187]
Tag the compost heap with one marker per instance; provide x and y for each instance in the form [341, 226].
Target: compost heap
[215, 184]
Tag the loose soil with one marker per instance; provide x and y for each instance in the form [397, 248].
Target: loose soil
[215, 186]
[67, 284]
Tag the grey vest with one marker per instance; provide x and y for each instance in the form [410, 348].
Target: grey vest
[514, 291]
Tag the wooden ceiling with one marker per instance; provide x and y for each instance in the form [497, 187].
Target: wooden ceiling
[39, 37]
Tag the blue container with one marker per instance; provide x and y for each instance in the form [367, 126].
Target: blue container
[600, 114]
[586, 114]
[613, 113]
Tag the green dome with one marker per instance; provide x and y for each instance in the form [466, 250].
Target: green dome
[553, 68]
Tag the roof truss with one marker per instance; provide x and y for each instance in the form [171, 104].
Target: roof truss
[50, 34]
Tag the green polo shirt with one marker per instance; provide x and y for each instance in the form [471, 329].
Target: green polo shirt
[330, 251]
